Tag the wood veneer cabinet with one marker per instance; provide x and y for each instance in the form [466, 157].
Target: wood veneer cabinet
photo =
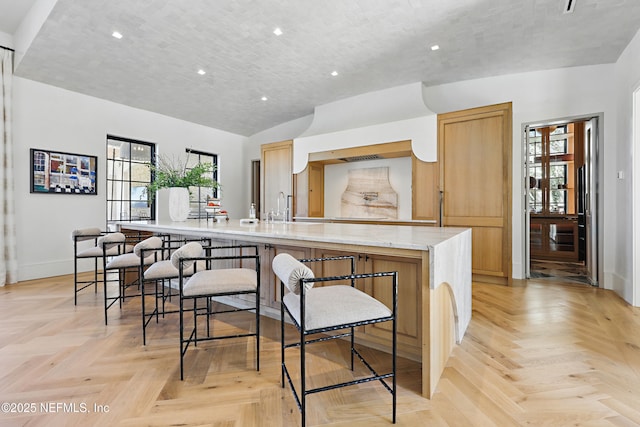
[424, 190]
[474, 154]
[276, 161]
[409, 301]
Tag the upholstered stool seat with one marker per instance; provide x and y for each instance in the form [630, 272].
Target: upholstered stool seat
[336, 305]
[129, 260]
[97, 251]
[227, 280]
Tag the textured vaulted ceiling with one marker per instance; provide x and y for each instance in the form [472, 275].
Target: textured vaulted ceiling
[373, 44]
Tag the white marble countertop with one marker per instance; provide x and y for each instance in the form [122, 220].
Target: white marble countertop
[389, 236]
[373, 220]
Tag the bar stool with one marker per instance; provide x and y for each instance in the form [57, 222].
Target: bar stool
[129, 262]
[327, 312]
[160, 274]
[212, 283]
[94, 252]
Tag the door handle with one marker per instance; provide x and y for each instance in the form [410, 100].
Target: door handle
[441, 206]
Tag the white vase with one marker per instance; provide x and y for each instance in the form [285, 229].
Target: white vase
[178, 203]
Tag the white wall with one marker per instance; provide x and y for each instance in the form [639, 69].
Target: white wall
[626, 219]
[53, 118]
[336, 178]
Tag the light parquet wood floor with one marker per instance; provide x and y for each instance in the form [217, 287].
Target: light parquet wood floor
[537, 353]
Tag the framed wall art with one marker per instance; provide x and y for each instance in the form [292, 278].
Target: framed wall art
[56, 172]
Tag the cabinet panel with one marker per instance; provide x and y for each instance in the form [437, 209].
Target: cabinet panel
[409, 279]
[472, 170]
[300, 193]
[424, 186]
[336, 268]
[486, 250]
[316, 189]
[277, 167]
[474, 156]
[409, 299]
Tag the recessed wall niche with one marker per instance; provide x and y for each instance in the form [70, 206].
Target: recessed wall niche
[336, 178]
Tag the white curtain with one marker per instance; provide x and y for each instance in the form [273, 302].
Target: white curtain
[8, 256]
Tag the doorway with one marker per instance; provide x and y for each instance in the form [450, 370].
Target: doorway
[560, 190]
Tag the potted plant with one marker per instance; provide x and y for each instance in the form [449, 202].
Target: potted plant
[172, 173]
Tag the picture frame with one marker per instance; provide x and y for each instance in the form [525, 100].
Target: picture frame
[58, 172]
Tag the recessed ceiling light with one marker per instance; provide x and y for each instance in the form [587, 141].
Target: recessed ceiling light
[334, 73]
[116, 35]
[277, 32]
[435, 47]
[202, 72]
[264, 98]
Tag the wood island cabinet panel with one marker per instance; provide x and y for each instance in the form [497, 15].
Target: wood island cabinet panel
[409, 295]
[409, 279]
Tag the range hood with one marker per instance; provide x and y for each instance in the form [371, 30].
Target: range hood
[373, 108]
[372, 119]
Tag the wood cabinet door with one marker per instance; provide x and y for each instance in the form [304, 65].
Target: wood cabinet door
[474, 153]
[424, 190]
[409, 298]
[277, 174]
[409, 294]
[316, 189]
[337, 267]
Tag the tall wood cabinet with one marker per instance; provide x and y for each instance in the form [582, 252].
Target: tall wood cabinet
[276, 160]
[474, 153]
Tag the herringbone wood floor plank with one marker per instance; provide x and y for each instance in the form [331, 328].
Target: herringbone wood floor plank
[537, 353]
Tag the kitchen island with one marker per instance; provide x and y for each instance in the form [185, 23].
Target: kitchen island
[433, 264]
